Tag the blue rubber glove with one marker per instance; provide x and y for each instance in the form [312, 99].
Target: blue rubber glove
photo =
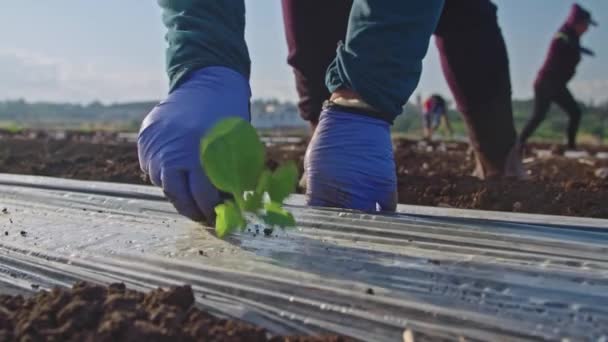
[349, 163]
[169, 140]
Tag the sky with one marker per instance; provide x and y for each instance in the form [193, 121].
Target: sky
[113, 50]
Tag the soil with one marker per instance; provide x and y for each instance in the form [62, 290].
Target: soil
[558, 185]
[90, 312]
[71, 159]
[433, 174]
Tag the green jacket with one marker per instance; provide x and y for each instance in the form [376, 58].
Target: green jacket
[202, 33]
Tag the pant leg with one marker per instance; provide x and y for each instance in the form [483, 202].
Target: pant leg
[436, 120]
[476, 67]
[381, 59]
[567, 102]
[542, 102]
[203, 33]
[313, 29]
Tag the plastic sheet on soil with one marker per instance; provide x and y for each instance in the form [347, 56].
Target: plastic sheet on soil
[441, 272]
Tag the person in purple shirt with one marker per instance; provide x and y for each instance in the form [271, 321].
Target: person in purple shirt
[559, 68]
[434, 116]
[473, 57]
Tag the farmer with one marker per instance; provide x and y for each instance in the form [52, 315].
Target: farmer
[559, 68]
[349, 161]
[435, 113]
[473, 57]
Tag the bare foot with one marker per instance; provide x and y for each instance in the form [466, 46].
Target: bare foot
[514, 167]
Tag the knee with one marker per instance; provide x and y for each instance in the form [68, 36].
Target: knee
[539, 115]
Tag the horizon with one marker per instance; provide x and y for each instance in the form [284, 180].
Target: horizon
[266, 99]
[70, 54]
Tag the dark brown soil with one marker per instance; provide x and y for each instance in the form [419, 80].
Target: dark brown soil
[436, 175]
[96, 313]
[71, 159]
[558, 185]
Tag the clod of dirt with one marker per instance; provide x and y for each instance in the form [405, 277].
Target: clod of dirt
[268, 232]
[370, 291]
[445, 181]
[434, 262]
[23, 233]
[601, 173]
[4, 211]
[96, 313]
[517, 206]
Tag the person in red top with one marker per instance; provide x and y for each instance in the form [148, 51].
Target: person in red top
[434, 113]
[560, 66]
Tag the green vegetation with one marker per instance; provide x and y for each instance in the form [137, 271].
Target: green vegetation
[10, 126]
[127, 117]
[232, 155]
[93, 116]
[594, 125]
[97, 116]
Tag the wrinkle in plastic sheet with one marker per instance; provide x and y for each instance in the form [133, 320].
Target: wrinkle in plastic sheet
[367, 276]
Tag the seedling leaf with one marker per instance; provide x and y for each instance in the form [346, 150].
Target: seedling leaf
[253, 202]
[228, 219]
[283, 182]
[263, 182]
[277, 216]
[232, 155]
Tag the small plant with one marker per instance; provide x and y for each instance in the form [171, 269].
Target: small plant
[11, 127]
[232, 155]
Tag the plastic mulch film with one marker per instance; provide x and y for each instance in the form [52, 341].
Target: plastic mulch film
[443, 273]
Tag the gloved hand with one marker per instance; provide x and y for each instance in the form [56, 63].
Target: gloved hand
[349, 163]
[169, 139]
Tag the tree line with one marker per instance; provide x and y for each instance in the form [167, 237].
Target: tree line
[127, 116]
[594, 123]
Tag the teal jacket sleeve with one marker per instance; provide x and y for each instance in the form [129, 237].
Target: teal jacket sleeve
[202, 33]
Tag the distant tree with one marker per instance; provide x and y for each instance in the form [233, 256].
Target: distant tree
[65, 115]
[409, 120]
[601, 126]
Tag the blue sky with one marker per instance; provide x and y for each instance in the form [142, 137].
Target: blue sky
[112, 50]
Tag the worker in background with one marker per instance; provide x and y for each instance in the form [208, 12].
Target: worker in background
[473, 57]
[559, 68]
[434, 114]
[370, 77]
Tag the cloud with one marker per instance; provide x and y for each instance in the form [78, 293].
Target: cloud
[18, 69]
[590, 90]
[36, 77]
[281, 89]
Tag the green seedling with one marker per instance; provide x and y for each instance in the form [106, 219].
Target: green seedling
[232, 155]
